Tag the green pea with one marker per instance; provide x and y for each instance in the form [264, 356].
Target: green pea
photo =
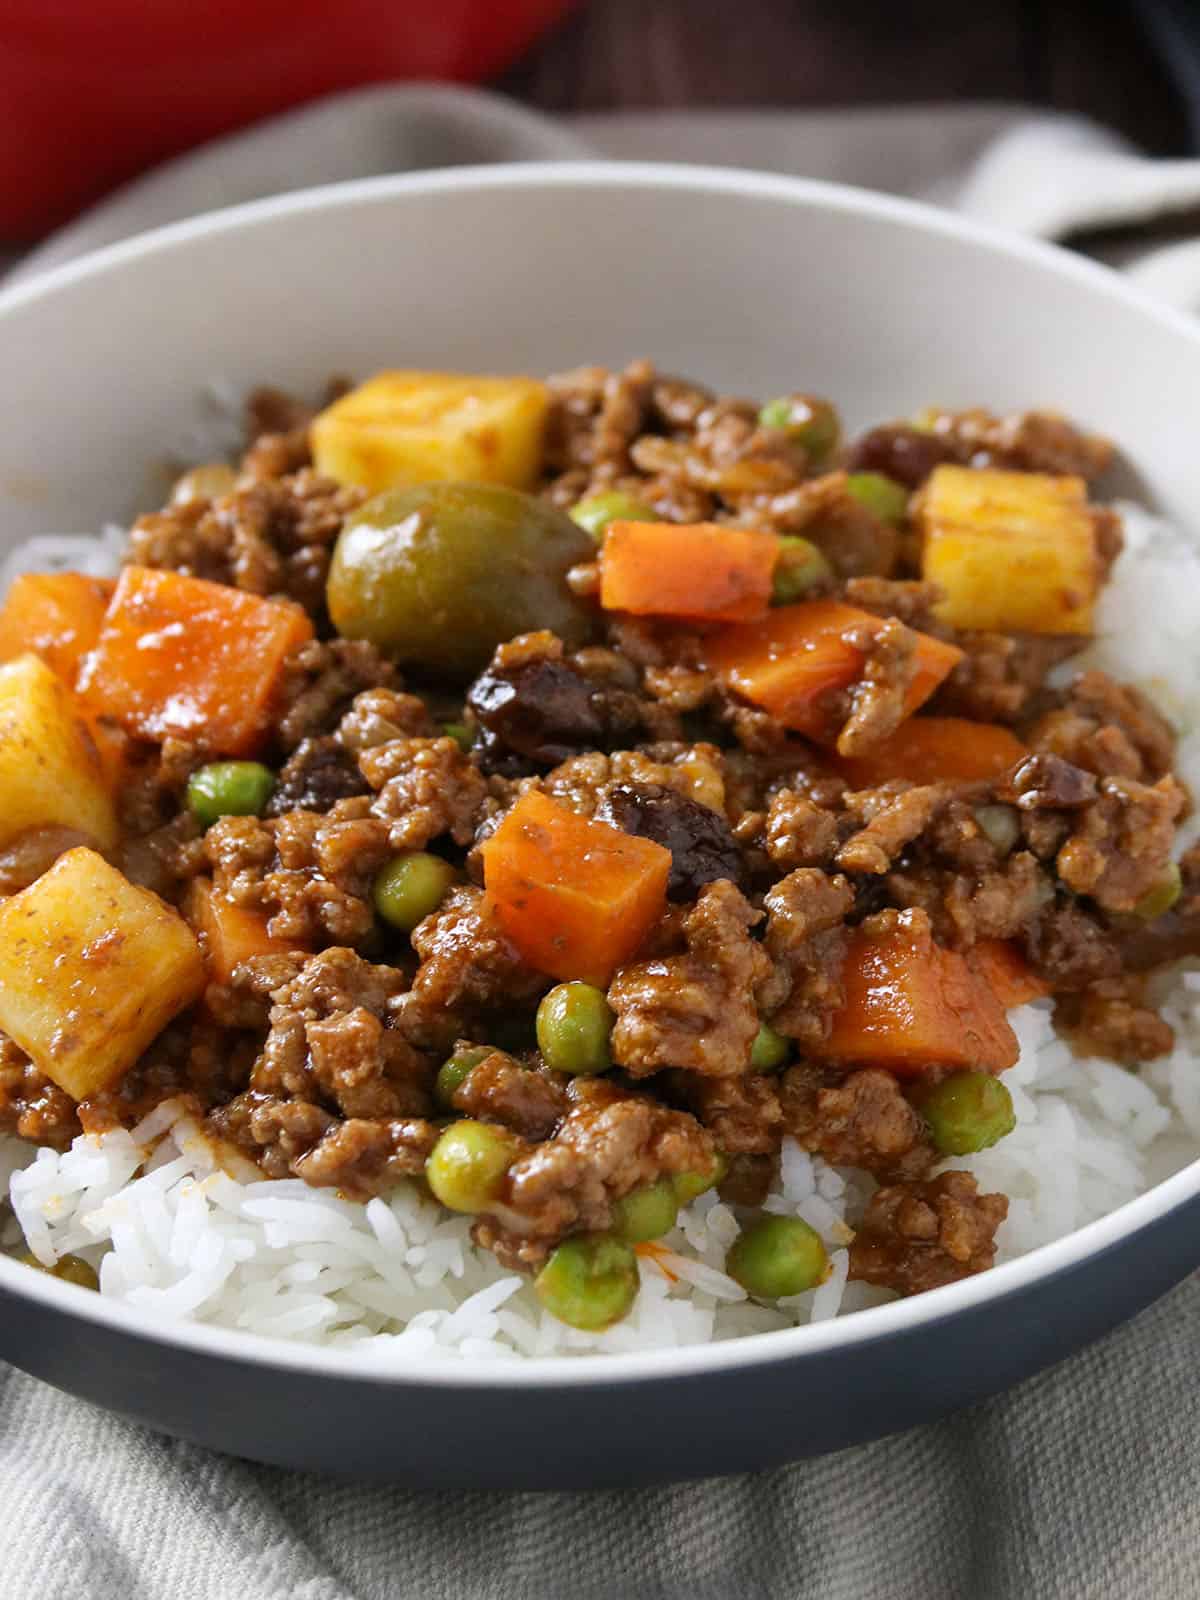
[573, 1027]
[799, 568]
[455, 1071]
[1159, 899]
[646, 1213]
[777, 1256]
[688, 1185]
[466, 1167]
[966, 1112]
[229, 789]
[880, 494]
[596, 512]
[589, 1282]
[71, 1269]
[769, 1050]
[409, 887]
[808, 421]
[462, 733]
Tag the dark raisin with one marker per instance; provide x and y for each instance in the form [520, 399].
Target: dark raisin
[906, 454]
[318, 773]
[541, 712]
[702, 847]
[1045, 781]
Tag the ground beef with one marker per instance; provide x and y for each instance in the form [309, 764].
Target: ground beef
[310, 875]
[806, 944]
[468, 967]
[30, 1105]
[317, 774]
[918, 1236]
[748, 1179]
[892, 818]
[878, 699]
[996, 904]
[695, 1010]
[377, 716]
[855, 542]
[1120, 847]
[1026, 441]
[424, 788]
[1001, 675]
[742, 1114]
[859, 1121]
[498, 1089]
[800, 833]
[1069, 948]
[609, 1143]
[532, 707]
[911, 601]
[270, 536]
[702, 846]
[1108, 728]
[1110, 1018]
[320, 683]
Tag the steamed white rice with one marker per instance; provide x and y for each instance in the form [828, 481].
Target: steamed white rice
[175, 1234]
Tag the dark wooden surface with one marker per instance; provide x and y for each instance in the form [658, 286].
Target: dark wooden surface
[1076, 55]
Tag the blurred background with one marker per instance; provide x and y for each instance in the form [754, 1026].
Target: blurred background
[96, 91]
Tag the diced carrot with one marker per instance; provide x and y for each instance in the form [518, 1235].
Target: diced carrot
[56, 615]
[936, 750]
[1010, 977]
[910, 1005]
[794, 663]
[197, 660]
[576, 897]
[700, 570]
[229, 934]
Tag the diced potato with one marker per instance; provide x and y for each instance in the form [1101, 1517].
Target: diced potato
[50, 771]
[1011, 551]
[92, 968]
[402, 428]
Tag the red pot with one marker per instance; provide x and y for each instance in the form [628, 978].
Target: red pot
[93, 91]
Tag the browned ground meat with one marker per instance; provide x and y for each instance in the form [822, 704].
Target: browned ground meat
[918, 1236]
[1108, 728]
[424, 788]
[609, 1143]
[694, 1010]
[1027, 441]
[742, 1114]
[30, 1105]
[800, 833]
[853, 540]
[890, 818]
[1001, 675]
[378, 716]
[1111, 1018]
[806, 943]
[499, 1089]
[321, 683]
[859, 1121]
[1121, 843]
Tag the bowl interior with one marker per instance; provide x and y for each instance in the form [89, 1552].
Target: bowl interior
[122, 363]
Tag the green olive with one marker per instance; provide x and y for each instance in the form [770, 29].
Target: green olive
[229, 789]
[466, 1167]
[453, 1073]
[799, 567]
[769, 1050]
[596, 512]
[439, 575]
[411, 886]
[777, 1256]
[645, 1213]
[688, 1185]
[808, 421]
[882, 495]
[71, 1269]
[574, 1022]
[589, 1282]
[966, 1112]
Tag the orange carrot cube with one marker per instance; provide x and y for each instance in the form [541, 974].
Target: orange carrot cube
[200, 661]
[701, 570]
[936, 750]
[56, 615]
[576, 897]
[229, 934]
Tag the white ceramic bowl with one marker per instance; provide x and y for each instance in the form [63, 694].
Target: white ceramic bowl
[753, 284]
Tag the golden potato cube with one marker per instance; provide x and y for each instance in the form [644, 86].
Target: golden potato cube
[50, 772]
[1011, 551]
[401, 428]
[92, 968]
